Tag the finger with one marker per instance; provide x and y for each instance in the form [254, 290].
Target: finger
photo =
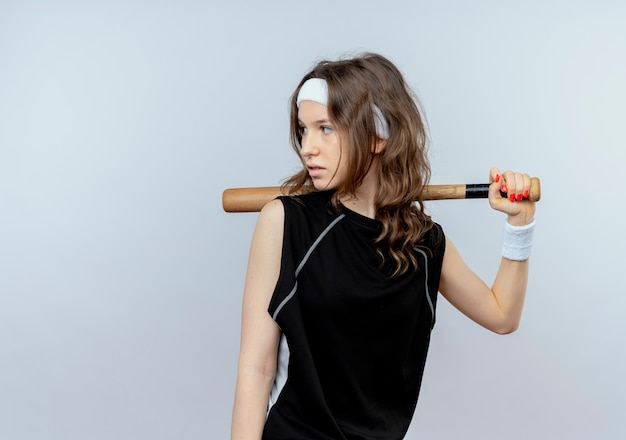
[508, 184]
[495, 185]
[494, 175]
[526, 192]
[519, 186]
[495, 181]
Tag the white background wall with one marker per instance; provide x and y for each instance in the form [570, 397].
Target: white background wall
[121, 122]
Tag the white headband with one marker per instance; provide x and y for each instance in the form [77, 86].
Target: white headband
[316, 90]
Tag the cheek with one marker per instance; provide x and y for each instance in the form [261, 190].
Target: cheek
[342, 168]
[339, 159]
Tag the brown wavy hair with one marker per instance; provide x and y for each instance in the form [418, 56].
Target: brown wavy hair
[355, 85]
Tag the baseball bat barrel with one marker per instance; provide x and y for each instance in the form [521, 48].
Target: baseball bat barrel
[253, 199]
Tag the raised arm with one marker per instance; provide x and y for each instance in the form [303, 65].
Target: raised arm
[259, 333]
[498, 308]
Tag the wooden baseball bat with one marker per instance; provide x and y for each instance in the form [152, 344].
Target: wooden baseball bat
[253, 199]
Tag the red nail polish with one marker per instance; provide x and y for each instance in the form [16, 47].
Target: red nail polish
[504, 189]
[519, 197]
[526, 194]
[512, 197]
[497, 178]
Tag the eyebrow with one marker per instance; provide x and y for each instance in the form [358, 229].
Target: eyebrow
[318, 122]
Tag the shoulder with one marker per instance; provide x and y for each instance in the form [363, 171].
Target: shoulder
[438, 234]
[313, 199]
[307, 205]
[286, 210]
[273, 210]
[434, 240]
[271, 220]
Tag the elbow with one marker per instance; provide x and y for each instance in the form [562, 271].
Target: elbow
[506, 328]
[506, 322]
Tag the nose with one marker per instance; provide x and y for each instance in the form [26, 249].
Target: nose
[309, 146]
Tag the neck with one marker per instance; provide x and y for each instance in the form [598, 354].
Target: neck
[363, 201]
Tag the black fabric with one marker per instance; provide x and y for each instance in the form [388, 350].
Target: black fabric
[357, 338]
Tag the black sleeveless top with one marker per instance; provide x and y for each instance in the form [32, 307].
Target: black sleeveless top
[354, 341]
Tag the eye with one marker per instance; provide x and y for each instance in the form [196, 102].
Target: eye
[301, 130]
[326, 130]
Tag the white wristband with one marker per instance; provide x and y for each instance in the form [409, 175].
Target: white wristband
[517, 241]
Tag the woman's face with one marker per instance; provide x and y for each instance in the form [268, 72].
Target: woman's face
[321, 143]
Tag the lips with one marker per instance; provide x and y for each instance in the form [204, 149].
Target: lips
[314, 170]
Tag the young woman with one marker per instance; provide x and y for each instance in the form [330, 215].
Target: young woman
[343, 275]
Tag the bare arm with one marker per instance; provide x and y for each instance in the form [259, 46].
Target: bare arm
[259, 333]
[499, 307]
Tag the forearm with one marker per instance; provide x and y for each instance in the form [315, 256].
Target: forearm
[251, 398]
[509, 289]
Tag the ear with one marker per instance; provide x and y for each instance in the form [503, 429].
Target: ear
[380, 145]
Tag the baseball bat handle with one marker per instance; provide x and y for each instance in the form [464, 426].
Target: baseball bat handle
[253, 199]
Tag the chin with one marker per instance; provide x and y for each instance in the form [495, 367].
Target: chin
[323, 186]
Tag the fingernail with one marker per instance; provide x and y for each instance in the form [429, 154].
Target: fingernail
[519, 197]
[526, 194]
[497, 178]
[512, 197]
[504, 189]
